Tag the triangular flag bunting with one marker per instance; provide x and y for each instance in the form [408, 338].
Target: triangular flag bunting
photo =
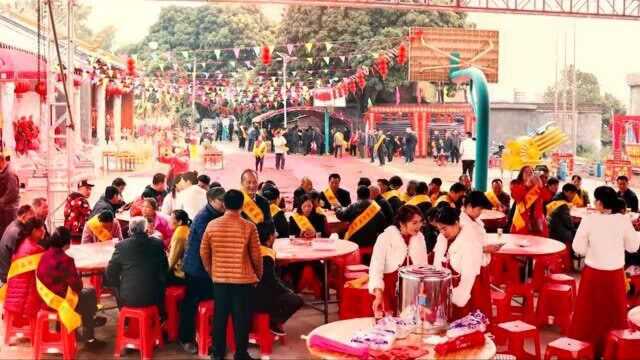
[343, 58]
[294, 73]
[326, 59]
[271, 48]
[257, 50]
[204, 65]
[185, 54]
[326, 71]
[233, 63]
[369, 103]
[217, 52]
[236, 52]
[308, 46]
[328, 45]
[248, 63]
[206, 75]
[289, 48]
[310, 60]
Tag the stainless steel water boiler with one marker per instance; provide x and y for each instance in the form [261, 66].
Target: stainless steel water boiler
[424, 295]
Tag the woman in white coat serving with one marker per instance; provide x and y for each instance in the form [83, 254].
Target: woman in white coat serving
[399, 245]
[602, 238]
[460, 248]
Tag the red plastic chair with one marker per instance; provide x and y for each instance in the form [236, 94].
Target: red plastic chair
[16, 326]
[309, 280]
[503, 308]
[622, 345]
[515, 333]
[138, 328]
[556, 300]
[566, 348]
[564, 279]
[504, 270]
[526, 310]
[260, 333]
[173, 296]
[544, 266]
[47, 341]
[355, 303]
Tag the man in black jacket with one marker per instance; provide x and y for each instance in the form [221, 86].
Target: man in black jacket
[255, 207]
[387, 210]
[306, 186]
[371, 219]
[157, 190]
[138, 267]
[334, 196]
[627, 194]
[561, 226]
[111, 201]
[272, 194]
[390, 194]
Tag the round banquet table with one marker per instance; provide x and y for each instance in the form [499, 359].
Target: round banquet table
[493, 219]
[287, 252]
[93, 256]
[342, 330]
[537, 245]
[633, 317]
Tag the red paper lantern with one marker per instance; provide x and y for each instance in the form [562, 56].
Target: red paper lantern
[265, 55]
[41, 89]
[131, 66]
[352, 86]
[360, 79]
[402, 54]
[21, 88]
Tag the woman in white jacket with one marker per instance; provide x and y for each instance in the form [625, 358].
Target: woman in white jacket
[399, 245]
[464, 256]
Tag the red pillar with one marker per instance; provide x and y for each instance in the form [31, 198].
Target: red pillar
[426, 124]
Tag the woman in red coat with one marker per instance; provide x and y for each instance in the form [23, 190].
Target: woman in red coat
[528, 217]
[22, 296]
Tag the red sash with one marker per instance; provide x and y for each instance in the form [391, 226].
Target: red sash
[480, 297]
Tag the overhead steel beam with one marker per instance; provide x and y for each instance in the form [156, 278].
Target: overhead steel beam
[607, 9]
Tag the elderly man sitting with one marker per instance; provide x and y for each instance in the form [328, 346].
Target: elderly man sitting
[137, 270]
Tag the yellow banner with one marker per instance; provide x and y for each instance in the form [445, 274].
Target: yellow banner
[418, 199]
[20, 266]
[331, 198]
[252, 210]
[65, 307]
[98, 229]
[391, 193]
[362, 219]
[303, 223]
[274, 209]
[493, 199]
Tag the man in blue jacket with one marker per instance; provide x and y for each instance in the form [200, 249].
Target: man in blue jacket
[199, 285]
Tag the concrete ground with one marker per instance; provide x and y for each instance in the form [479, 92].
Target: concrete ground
[297, 166]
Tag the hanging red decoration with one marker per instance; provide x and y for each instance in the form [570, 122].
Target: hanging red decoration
[131, 66]
[402, 54]
[360, 79]
[41, 89]
[21, 88]
[352, 86]
[382, 66]
[265, 55]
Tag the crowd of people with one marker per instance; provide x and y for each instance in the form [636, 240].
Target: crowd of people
[219, 243]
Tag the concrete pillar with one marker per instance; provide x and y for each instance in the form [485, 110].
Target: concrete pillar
[77, 121]
[633, 80]
[117, 118]
[7, 106]
[85, 111]
[101, 124]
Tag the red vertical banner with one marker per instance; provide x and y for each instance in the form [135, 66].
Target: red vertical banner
[426, 118]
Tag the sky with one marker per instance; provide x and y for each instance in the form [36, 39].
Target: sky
[529, 45]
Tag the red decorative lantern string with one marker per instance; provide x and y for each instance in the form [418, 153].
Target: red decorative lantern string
[131, 66]
[265, 55]
[401, 58]
[41, 89]
[21, 88]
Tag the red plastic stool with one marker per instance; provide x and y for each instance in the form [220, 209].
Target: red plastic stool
[515, 333]
[355, 303]
[566, 348]
[96, 283]
[204, 333]
[526, 310]
[544, 266]
[142, 331]
[260, 334]
[308, 279]
[503, 308]
[556, 300]
[173, 296]
[564, 279]
[46, 341]
[622, 345]
[504, 270]
[16, 326]
[357, 268]
[354, 275]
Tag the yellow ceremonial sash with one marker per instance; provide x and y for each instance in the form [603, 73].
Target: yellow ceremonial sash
[405, 197]
[98, 229]
[303, 222]
[391, 193]
[20, 266]
[577, 200]
[362, 219]
[521, 206]
[274, 209]
[331, 197]
[65, 307]
[493, 198]
[251, 209]
[418, 199]
[445, 198]
[320, 211]
[434, 197]
[266, 251]
[380, 141]
[552, 206]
